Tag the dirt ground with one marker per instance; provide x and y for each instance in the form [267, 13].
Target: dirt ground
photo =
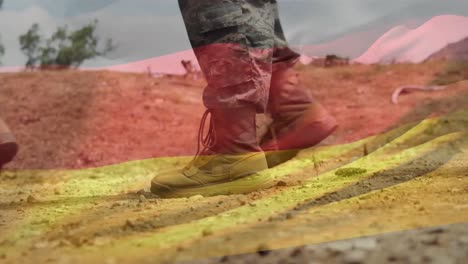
[91, 142]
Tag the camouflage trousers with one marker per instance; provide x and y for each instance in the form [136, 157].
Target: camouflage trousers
[237, 44]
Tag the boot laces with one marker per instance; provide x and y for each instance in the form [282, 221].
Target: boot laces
[208, 141]
[205, 142]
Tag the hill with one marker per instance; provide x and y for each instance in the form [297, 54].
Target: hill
[453, 52]
[402, 44]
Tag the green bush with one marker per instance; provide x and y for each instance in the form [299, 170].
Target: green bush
[63, 49]
[453, 72]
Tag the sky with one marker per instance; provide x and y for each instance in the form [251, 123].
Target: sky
[144, 29]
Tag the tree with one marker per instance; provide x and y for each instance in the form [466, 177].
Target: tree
[63, 49]
[30, 45]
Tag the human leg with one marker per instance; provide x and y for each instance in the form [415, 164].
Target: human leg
[299, 121]
[233, 41]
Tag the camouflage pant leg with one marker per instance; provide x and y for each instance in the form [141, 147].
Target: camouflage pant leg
[234, 41]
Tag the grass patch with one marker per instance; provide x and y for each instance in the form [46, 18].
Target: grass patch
[348, 172]
[453, 72]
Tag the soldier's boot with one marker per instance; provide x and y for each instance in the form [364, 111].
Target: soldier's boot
[8, 145]
[230, 154]
[299, 121]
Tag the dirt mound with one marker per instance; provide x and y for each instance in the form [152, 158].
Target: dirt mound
[72, 119]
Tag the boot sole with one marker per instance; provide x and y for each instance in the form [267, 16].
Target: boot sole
[247, 184]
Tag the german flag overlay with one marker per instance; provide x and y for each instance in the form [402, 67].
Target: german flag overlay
[234, 131]
[414, 176]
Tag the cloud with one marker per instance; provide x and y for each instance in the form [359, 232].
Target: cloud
[147, 28]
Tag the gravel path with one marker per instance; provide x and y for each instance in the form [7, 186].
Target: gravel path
[438, 245]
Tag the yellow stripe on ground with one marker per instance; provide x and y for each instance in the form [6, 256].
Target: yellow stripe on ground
[426, 158]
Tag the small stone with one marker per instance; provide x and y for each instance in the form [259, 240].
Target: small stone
[436, 230]
[429, 240]
[354, 257]
[339, 246]
[366, 243]
[180, 248]
[114, 205]
[129, 224]
[196, 197]
[142, 199]
[437, 257]
[64, 243]
[281, 184]
[207, 232]
[463, 240]
[31, 199]
[41, 245]
[296, 252]
[57, 192]
[263, 250]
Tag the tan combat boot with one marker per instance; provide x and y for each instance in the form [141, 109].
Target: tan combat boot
[299, 121]
[8, 146]
[231, 153]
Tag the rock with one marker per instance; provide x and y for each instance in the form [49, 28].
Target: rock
[31, 199]
[296, 252]
[64, 243]
[281, 184]
[437, 258]
[263, 250]
[78, 241]
[463, 240]
[436, 230]
[196, 197]
[339, 246]
[354, 257]
[114, 205]
[142, 199]
[41, 245]
[129, 224]
[366, 243]
[430, 240]
[224, 259]
[207, 232]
